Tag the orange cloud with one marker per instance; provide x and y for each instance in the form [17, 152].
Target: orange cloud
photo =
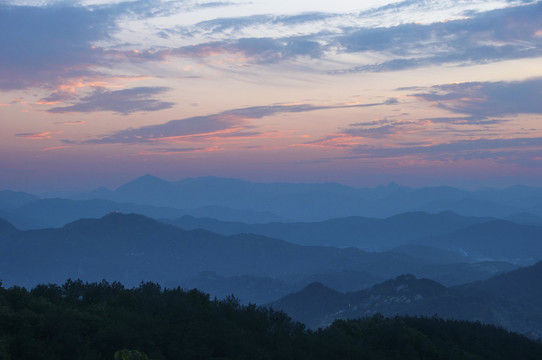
[46, 102]
[69, 89]
[198, 136]
[56, 147]
[180, 151]
[80, 122]
[105, 82]
[14, 101]
[235, 133]
[38, 136]
[335, 141]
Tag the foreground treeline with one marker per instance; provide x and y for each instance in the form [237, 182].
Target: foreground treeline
[94, 321]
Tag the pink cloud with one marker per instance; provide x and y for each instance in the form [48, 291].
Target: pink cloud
[176, 151]
[56, 147]
[335, 141]
[39, 135]
[80, 122]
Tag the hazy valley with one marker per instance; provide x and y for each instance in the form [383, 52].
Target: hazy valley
[426, 261]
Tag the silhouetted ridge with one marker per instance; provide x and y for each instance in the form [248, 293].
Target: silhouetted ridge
[321, 201]
[496, 239]
[142, 183]
[213, 181]
[116, 219]
[524, 284]
[365, 233]
[79, 320]
[525, 218]
[511, 300]
[13, 199]
[312, 305]
[317, 289]
[6, 228]
[407, 285]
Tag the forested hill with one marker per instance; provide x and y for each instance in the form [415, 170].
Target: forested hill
[133, 248]
[94, 321]
[510, 300]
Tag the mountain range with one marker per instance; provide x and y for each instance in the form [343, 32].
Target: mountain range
[316, 202]
[133, 248]
[459, 238]
[510, 300]
[353, 231]
[236, 200]
[318, 251]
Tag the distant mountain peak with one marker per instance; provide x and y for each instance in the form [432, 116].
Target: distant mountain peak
[6, 227]
[117, 215]
[147, 178]
[448, 213]
[394, 184]
[113, 218]
[317, 289]
[315, 286]
[12, 199]
[142, 183]
[390, 186]
[408, 283]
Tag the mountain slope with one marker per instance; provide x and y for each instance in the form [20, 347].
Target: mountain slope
[510, 300]
[366, 233]
[12, 199]
[498, 239]
[104, 321]
[316, 202]
[132, 248]
[6, 229]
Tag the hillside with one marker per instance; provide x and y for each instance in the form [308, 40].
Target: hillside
[510, 300]
[365, 233]
[317, 202]
[98, 320]
[497, 240]
[134, 248]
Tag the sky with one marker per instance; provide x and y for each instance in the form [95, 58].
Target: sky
[435, 92]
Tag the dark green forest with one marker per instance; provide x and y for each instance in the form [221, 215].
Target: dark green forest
[108, 321]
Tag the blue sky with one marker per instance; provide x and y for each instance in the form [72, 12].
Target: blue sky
[95, 93]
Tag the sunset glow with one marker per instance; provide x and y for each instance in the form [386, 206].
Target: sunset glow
[360, 93]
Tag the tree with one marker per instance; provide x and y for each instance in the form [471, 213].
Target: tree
[130, 355]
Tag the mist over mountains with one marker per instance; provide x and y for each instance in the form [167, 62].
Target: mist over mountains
[504, 300]
[314, 202]
[318, 251]
[134, 248]
[247, 202]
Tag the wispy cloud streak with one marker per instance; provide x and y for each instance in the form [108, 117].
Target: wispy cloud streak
[481, 38]
[38, 135]
[483, 100]
[231, 123]
[124, 102]
[454, 150]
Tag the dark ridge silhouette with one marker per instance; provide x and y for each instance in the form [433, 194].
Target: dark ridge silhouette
[81, 320]
[525, 219]
[511, 300]
[12, 199]
[57, 212]
[366, 233]
[317, 202]
[261, 290]
[6, 229]
[497, 239]
[132, 248]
